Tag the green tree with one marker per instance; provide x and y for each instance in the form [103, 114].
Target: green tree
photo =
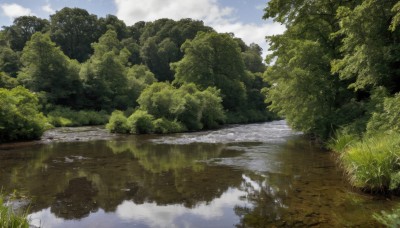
[9, 59]
[23, 28]
[139, 77]
[252, 59]
[6, 81]
[74, 30]
[303, 89]
[104, 74]
[160, 41]
[214, 60]
[46, 68]
[112, 22]
[371, 53]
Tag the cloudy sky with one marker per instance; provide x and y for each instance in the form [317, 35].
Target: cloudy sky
[242, 17]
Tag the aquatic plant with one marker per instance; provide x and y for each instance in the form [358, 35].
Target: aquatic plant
[389, 219]
[9, 219]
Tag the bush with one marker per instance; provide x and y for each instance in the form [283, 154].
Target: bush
[140, 122]
[20, 118]
[193, 108]
[163, 126]
[118, 123]
[373, 163]
[9, 219]
[65, 117]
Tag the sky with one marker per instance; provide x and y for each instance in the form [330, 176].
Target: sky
[241, 17]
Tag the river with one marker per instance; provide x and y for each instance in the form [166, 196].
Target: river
[257, 175]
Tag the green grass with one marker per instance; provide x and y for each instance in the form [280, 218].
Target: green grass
[342, 141]
[373, 163]
[9, 219]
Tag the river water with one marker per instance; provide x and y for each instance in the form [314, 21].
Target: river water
[257, 175]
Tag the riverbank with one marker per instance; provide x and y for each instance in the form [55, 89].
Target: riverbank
[65, 134]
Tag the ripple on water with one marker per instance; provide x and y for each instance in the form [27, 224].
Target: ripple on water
[272, 132]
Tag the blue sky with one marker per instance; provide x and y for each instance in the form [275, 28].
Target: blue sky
[242, 17]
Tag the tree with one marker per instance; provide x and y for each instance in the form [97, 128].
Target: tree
[214, 60]
[46, 68]
[112, 22]
[160, 41]
[9, 59]
[74, 30]
[23, 28]
[139, 77]
[304, 90]
[252, 59]
[104, 74]
[370, 49]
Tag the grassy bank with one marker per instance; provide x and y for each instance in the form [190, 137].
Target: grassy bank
[372, 163]
[9, 219]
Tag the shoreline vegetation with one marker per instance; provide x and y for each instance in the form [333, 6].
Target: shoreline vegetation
[8, 218]
[335, 77]
[166, 76]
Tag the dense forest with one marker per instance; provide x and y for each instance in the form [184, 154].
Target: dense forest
[335, 75]
[154, 77]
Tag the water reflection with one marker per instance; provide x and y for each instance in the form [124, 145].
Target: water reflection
[264, 176]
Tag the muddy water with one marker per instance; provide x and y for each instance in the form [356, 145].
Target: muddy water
[259, 175]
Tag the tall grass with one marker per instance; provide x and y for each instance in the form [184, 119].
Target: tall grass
[372, 163]
[389, 219]
[9, 219]
[342, 141]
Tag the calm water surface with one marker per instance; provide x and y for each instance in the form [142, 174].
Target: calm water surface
[257, 175]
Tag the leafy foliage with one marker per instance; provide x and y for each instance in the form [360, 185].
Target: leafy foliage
[388, 119]
[74, 30]
[47, 69]
[22, 30]
[214, 60]
[104, 74]
[20, 118]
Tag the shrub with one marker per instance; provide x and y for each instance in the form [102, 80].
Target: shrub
[164, 126]
[20, 118]
[193, 108]
[9, 219]
[118, 122]
[140, 122]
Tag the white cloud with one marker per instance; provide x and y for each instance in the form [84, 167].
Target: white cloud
[220, 18]
[47, 8]
[14, 10]
[150, 10]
